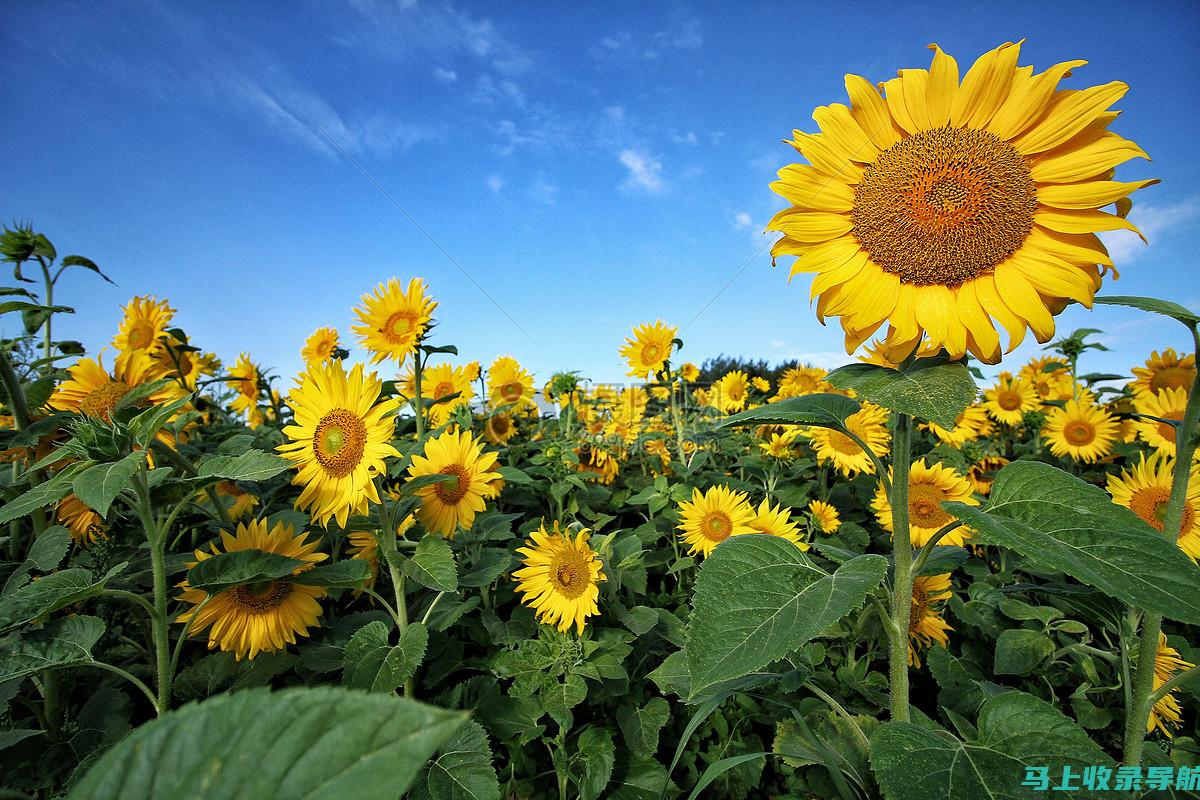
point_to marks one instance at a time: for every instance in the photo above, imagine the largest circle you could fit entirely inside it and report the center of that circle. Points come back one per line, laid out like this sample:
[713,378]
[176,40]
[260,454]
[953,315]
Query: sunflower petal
[1068,113]
[943,83]
[985,87]
[1089,194]
[870,112]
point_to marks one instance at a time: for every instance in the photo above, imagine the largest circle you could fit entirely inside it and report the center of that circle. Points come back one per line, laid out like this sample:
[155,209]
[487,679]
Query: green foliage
[930,388]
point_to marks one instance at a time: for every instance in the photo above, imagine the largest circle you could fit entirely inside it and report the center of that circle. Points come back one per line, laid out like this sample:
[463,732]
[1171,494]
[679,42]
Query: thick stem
[160,623]
[47,340]
[675,416]
[418,403]
[903,579]
[1138,712]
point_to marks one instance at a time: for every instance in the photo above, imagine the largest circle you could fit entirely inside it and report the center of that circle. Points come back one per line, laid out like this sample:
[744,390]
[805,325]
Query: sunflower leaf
[1154,306]
[432,565]
[822,410]
[373,664]
[758,598]
[50,593]
[1071,526]
[66,642]
[317,743]
[42,495]
[252,465]
[349,573]
[932,388]
[597,754]
[226,570]
[99,485]
[462,769]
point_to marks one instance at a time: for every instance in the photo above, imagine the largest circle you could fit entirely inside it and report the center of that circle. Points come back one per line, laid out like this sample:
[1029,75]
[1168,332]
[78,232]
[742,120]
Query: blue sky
[589,166]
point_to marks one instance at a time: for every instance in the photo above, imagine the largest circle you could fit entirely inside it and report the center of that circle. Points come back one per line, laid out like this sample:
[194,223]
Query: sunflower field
[930,574]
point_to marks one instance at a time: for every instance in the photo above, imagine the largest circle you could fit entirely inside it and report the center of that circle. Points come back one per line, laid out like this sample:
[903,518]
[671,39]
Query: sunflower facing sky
[257,618]
[1167,370]
[92,391]
[945,206]
[391,321]
[1081,431]
[929,485]
[145,322]
[711,517]
[730,392]
[444,387]
[338,440]
[450,504]
[561,577]
[1145,489]
[649,349]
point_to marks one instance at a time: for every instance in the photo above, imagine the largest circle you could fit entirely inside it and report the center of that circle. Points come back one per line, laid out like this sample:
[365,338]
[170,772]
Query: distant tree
[713,368]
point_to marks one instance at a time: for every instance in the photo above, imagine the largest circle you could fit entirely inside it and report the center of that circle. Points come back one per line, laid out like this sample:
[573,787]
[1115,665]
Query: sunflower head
[775,520]
[560,578]
[320,346]
[85,525]
[1166,404]
[598,462]
[711,517]
[730,392]
[1167,713]
[509,384]
[869,424]
[929,485]
[824,516]
[648,351]
[926,627]
[453,502]
[499,428]
[1081,431]
[445,386]
[1167,370]
[143,326]
[392,320]
[1010,399]
[945,207]
[1145,489]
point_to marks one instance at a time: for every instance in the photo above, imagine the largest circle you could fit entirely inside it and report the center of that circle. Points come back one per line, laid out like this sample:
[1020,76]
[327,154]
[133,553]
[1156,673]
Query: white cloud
[544,191]
[445,75]
[1154,221]
[688,138]
[683,33]
[495,183]
[741,221]
[645,172]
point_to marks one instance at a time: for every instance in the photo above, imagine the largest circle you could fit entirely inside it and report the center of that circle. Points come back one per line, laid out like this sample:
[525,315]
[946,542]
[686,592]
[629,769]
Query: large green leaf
[253,465]
[641,726]
[66,642]
[758,598]
[221,572]
[932,388]
[596,754]
[50,593]
[42,495]
[1071,526]
[373,664]
[1153,305]
[146,425]
[822,410]
[1020,651]
[349,573]
[912,762]
[462,769]
[312,743]
[432,565]
[99,485]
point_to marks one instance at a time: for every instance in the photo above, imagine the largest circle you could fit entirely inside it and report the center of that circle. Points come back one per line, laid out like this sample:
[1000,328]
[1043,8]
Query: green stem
[903,580]
[418,404]
[132,679]
[433,605]
[47,339]
[927,548]
[675,416]
[863,742]
[16,397]
[1138,712]
[137,599]
[160,623]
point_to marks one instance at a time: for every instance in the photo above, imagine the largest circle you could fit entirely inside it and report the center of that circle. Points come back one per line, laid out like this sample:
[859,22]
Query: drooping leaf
[1071,526]
[1154,306]
[432,564]
[373,664]
[253,465]
[932,388]
[758,598]
[99,485]
[50,593]
[42,495]
[66,642]
[822,410]
[312,743]
[224,571]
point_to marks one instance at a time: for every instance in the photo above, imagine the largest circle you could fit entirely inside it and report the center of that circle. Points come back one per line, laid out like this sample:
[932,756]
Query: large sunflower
[1081,431]
[449,504]
[929,485]
[393,320]
[263,617]
[1145,489]
[926,626]
[560,578]
[143,326]
[338,440]
[1010,399]
[510,384]
[320,346]
[775,520]
[1166,404]
[712,517]
[869,424]
[92,391]
[649,349]
[1166,371]
[1167,714]
[948,207]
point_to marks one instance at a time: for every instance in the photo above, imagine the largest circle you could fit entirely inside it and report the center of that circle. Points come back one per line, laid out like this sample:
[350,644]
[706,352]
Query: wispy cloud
[495,183]
[682,33]
[645,172]
[1157,222]
[741,221]
[544,191]
[444,75]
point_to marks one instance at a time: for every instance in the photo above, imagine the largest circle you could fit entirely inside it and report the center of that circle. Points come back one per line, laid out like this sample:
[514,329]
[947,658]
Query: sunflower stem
[160,622]
[1138,712]
[902,581]
[47,338]
[418,403]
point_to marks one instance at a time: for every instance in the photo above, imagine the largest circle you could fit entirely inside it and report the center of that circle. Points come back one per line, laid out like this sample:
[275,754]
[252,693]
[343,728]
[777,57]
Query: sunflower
[509,384]
[243,379]
[560,578]
[85,525]
[444,388]
[947,207]
[869,424]
[877,353]
[261,617]
[689,372]
[143,327]
[929,485]
[1010,399]
[449,504]
[1167,714]
[926,627]
[394,320]
[243,502]
[983,472]
[499,428]
[364,546]
[970,425]
[598,461]
[712,517]
[320,346]
[801,380]
[648,351]
[91,391]
[1145,489]
[777,521]
[824,516]
[1080,430]
[1166,371]
[338,440]
[1166,404]
[728,394]
[761,384]
[1050,377]
[780,445]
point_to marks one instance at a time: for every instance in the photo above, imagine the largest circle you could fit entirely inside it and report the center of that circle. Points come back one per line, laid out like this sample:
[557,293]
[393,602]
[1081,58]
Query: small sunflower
[499,428]
[689,372]
[729,393]
[1166,404]
[648,351]
[243,502]
[510,384]
[780,445]
[800,381]
[1145,489]
[338,440]
[983,472]
[320,346]
[450,504]
[1050,378]
[950,209]
[712,517]
[926,626]
[1081,431]
[1010,399]
[85,525]
[91,391]
[257,618]
[392,320]
[761,384]
[145,323]
[970,425]
[824,516]
[1167,714]
[929,485]
[243,379]
[1166,371]
[834,447]
[560,578]
[777,521]
[598,461]
[444,387]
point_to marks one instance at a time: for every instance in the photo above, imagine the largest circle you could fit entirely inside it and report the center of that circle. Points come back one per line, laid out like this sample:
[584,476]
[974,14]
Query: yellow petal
[935,307]
[897,102]
[837,276]
[914,83]
[817,149]
[904,315]
[870,112]
[874,293]
[1080,249]
[1052,276]
[844,133]
[995,307]
[1072,162]
[1023,299]
[1028,99]
[985,87]
[978,324]
[827,255]
[1081,221]
[807,187]
[943,83]
[1088,194]
[1068,113]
